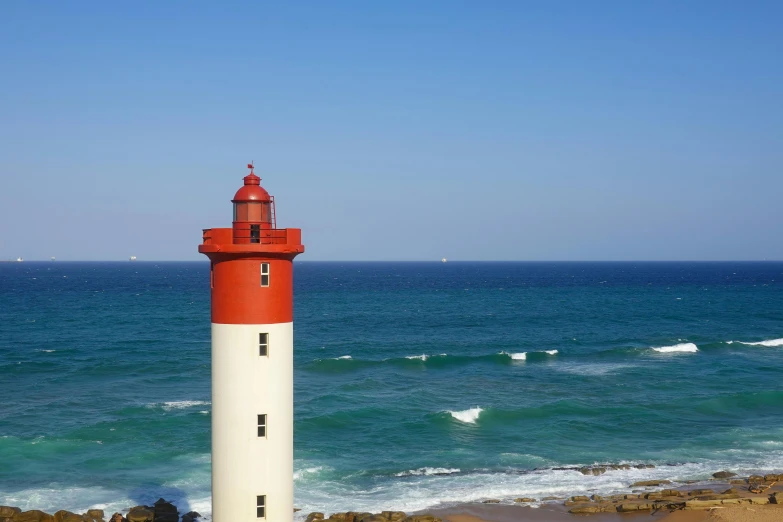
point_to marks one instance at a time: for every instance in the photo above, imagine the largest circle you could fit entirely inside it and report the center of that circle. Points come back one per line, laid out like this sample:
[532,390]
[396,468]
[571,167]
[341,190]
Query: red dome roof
[252,191]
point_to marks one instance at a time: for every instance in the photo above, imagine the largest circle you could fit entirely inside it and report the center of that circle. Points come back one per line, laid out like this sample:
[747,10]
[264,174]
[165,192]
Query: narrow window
[262,425]
[264,274]
[255,233]
[261,506]
[263,344]
[212,274]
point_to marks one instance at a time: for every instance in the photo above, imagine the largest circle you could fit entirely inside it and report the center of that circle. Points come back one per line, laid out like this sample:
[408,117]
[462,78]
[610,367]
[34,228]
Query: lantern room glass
[253,211]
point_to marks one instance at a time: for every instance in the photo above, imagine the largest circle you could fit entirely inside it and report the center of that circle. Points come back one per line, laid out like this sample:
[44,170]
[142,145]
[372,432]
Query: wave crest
[469,416]
[769,343]
[427,472]
[682,347]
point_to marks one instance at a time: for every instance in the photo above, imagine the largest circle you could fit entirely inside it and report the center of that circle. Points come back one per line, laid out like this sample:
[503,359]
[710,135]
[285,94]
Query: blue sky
[565,130]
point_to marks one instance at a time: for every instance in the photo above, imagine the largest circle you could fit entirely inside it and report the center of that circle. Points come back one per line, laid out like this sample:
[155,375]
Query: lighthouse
[251,280]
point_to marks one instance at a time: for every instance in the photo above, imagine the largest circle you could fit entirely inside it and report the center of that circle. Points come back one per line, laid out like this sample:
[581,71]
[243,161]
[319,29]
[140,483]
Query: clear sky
[551,130]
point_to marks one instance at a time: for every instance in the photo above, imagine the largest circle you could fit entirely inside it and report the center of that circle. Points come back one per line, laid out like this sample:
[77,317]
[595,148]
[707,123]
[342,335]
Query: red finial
[250,166]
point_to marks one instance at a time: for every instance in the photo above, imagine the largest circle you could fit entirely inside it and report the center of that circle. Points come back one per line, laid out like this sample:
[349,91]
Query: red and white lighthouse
[251,276]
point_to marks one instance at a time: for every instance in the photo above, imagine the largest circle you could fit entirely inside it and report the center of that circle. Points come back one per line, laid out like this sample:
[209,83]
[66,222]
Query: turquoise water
[417,384]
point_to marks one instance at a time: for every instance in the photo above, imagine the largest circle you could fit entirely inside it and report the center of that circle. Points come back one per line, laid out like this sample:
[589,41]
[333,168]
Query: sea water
[416,384]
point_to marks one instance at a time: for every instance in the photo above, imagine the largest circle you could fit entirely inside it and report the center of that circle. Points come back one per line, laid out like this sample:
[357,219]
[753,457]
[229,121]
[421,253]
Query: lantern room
[254,211]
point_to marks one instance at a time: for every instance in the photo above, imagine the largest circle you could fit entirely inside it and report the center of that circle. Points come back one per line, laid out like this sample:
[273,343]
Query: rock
[730,491]
[165,511]
[140,514]
[491,501]
[337,516]
[724,474]
[8,511]
[698,492]
[599,471]
[761,500]
[717,497]
[585,471]
[116,517]
[315,515]
[645,483]
[629,507]
[596,498]
[394,516]
[33,515]
[356,516]
[191,516]
[630,497]
[771,478]
[585,510]
[524,499]
[755,478]
[548,499]
[579,498]
[671,493]
[775,498]
[67,516]
[655,495]
[422,518]
[374,518]
[702,504]
[738,481]
[95,514]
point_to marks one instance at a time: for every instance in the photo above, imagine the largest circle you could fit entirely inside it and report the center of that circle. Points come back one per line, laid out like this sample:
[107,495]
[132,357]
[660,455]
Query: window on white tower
[261,506]
[264,274]
[262,425]
[263,344]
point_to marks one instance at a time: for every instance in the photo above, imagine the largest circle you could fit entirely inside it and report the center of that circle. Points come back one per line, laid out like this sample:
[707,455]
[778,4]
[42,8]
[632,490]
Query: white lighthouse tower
[251,277]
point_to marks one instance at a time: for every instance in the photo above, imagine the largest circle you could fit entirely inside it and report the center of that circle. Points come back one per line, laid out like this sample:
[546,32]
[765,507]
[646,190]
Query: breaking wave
[469,416]
[682,347]
[770,343]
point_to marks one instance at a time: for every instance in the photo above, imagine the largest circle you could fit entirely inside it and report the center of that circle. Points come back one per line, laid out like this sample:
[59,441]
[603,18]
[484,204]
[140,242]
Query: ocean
[416,384]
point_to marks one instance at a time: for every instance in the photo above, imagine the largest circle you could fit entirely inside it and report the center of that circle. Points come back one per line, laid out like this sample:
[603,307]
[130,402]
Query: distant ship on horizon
[444,260]
[132,258]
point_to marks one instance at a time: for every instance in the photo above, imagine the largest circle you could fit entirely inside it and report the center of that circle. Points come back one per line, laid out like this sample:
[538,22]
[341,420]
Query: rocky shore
[725,489]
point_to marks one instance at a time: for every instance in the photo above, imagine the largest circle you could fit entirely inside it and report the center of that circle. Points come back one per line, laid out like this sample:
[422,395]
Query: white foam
[592,369]
[468,416]
[771,342]
[551,352]
[427,471]
[682,347]
[301,473]
[520,356]
[343,357]
[179,405]
[421,357]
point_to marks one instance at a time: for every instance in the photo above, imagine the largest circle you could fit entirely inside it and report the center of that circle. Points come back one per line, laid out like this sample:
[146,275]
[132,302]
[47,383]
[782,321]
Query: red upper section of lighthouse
[251,271]
[252,190]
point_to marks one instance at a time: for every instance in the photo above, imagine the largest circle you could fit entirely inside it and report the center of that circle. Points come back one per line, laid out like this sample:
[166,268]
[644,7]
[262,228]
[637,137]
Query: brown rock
[67,516]
[191,516]
[8,511]
[337,516]
[596,498]
[33,515]
[524,499]
[738,481]
[730,491]
[374,518]
[583,510]
[491,501]
[698,492]
[771,478]
[140,514]
[655,495]
[422,518]
[95,514]
[633,506]
[547,499]
[702,504]
[761,500]
[671,493]
[775,498]
[755,478]
[724,474]
[645,483]
[394,516]
[315,515]
[579,498]
[116,517]
[356,516]
[165,511]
